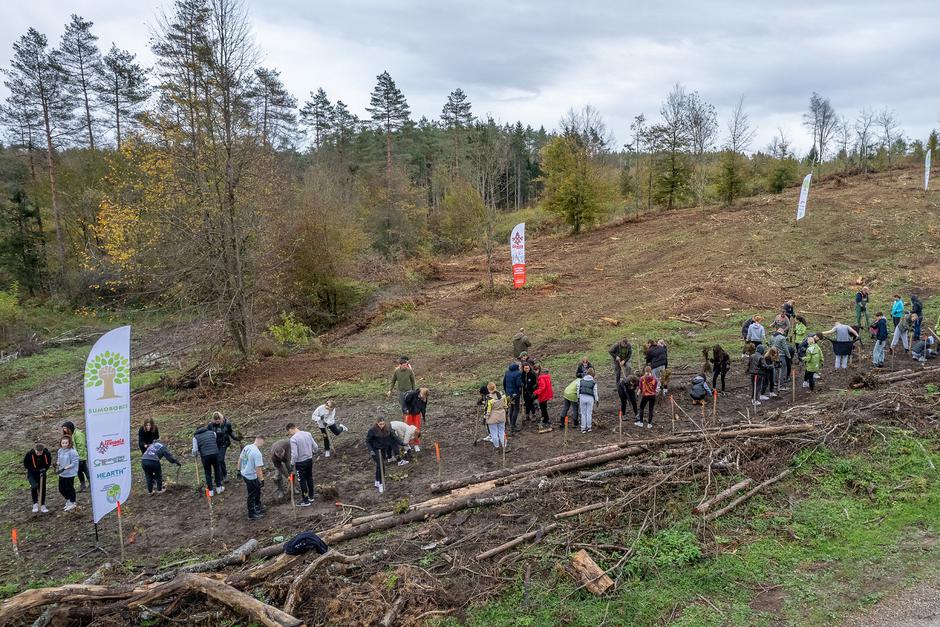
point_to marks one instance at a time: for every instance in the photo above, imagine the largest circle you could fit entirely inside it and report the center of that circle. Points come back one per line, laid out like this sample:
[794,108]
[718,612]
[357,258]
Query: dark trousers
[529,403]
[647,401]
[386,455]
[153,472]
[626,395]
[82,471]
[513,410]
[37,484]
[896,320]
[570,409]
[808,376]
[253,500]
[223,470]
[543,408]
[789,367]
[210,464]
[305,478]
[718,372]
[67,488]
[326,440]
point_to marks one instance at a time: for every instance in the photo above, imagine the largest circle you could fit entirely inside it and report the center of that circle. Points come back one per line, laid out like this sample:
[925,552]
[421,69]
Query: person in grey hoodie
[756,332]
[67,469]
[587,398]
[206,445]
[153,471]
[779,341]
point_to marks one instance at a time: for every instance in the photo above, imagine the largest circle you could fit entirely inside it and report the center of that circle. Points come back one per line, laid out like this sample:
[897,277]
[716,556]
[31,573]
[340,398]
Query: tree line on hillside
[203,184]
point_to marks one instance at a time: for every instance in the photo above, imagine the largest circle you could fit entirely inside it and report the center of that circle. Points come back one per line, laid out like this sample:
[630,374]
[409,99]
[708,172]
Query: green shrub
[291,332]
[10,314]
[666,549]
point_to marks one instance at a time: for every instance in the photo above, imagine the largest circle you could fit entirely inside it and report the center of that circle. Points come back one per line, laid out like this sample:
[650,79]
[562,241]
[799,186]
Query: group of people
[71,462]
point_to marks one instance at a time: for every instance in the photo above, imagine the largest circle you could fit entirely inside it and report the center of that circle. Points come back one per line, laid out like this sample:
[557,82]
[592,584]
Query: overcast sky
[531,61]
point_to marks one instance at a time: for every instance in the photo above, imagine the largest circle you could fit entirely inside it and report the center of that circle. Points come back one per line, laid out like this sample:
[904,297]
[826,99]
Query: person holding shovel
[302,449]
[251,467]
[153,471]
[225,434]
[325,417]
[861,308]
[881,339]
[383,446]
[37,461]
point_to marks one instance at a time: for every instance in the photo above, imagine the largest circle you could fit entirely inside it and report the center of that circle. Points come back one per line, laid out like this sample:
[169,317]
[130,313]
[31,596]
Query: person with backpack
[416,404]
[901,330]
[403,381]
[881,339]
[206,446]
[530,381]
[494,415]
[251,467]
[302,449]
[699,390]
[843,344]
[756,332]
[512,387]
[147,434]
[720,363]
[626,390]
[587,398]
[543,393]
[621,353]
[38,461]
[583,366]
[153,470]
[897,310]
[224,434]
[861,307]
[649,387]
[66,466]
[569,406]
[81,447]
[813,362]
[383,446]
[325,418]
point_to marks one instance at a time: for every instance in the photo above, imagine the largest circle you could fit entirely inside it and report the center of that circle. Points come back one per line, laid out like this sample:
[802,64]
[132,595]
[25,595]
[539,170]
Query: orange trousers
[414,420]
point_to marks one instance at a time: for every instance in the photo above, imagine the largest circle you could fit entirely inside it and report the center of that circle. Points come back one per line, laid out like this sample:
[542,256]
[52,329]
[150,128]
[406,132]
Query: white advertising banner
[804,195]
[108,420]
[927,170]
[517,251]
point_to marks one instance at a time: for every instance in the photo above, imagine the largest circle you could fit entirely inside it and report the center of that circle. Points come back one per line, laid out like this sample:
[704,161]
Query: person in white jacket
[325,418]
[405,433]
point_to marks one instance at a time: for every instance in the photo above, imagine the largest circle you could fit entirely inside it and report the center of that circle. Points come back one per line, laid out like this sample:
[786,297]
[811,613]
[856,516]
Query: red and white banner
[517,251]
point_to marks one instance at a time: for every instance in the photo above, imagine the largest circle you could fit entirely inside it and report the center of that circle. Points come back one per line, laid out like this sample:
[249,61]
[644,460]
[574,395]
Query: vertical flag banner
[927,170]
[517,250]
[804,195]
[108,420]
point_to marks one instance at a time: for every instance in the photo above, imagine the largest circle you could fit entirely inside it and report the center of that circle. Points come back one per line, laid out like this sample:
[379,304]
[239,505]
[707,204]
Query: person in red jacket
[543,392]
[648,386]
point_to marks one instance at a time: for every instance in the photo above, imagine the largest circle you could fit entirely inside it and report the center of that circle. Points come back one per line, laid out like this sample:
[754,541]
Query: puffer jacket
[543,390]
[657,357]
[205,442]
[512,380]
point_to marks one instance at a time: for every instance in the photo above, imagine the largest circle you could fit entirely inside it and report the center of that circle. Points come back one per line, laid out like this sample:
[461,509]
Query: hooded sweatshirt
[67,460]
[34,463]
[403,431]
[512,380]
[157,450]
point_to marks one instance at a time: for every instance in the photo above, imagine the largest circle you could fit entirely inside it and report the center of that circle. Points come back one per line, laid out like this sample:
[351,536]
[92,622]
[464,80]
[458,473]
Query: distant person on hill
[530,382]
[153,470]
[67,468]
[251,468]
[583,366]
[37,461]
[861,307]
[901,330]
[648,386]
[403,381]
[206,446]
[225,435]
[626,390]
[843,343]
[325,418]
[512,387]
[494,415]
[416,404]
[81,447]
[520,343]
[917,307]
[147,434]
[587,398]
[897,310]
[621,353]
[720,363]
[543,393]
[881,339]
[813,362]
[788,309]
[756,332]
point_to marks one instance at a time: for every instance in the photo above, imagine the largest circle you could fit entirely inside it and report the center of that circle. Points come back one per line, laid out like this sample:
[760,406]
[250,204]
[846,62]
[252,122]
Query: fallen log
[293,595]
[730,506]
[590,574]
[540,532]
[93,579]
[629,469]
[238,556]
[75,592]
[392,614]
[704,506]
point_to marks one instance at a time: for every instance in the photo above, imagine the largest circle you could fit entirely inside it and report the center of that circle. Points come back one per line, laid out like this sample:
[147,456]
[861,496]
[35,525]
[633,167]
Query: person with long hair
[720,364]
[67,469]
[544,393]
[416,404]
[648,386]
[147,434]
[383,446]
[530,381]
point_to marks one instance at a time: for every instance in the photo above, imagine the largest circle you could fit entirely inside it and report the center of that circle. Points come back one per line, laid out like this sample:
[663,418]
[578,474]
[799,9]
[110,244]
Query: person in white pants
[587,397]
[901,330]
[843,343]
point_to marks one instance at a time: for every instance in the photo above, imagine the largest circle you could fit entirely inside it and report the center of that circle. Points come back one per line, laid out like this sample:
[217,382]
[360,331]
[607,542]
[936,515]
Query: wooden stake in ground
[211,515]
[675,414]
[120,529]
[620,425]
[290,486]
[793,383]
[437,453]
[566,431]
[14,535]
[196,468]
[505,441]
[714,404]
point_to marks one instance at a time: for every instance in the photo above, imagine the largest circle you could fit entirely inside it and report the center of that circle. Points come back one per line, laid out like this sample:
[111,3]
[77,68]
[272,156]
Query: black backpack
[747,324]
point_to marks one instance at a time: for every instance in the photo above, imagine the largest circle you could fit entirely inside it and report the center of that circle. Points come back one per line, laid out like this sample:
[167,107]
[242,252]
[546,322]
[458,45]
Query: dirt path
[918,606]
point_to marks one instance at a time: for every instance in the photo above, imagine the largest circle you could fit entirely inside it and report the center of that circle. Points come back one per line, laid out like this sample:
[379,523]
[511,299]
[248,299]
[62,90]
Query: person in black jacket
[37,461]
[206,445]
[416,404]
[383,447]
[224,433]
[153,471]
[720,364]
[147,434]
[530,381]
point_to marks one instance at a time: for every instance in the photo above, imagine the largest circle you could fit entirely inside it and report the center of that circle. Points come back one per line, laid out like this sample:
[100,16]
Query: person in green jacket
[81,446]
[569,405]
[813,360]
[403,380]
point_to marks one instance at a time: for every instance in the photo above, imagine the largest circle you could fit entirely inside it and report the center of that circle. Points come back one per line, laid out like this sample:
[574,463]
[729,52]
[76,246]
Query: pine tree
[456,112]
[37,84]
[317,115]
[389,111]
[273,106]
[932,144]
[80,57]
[122,88]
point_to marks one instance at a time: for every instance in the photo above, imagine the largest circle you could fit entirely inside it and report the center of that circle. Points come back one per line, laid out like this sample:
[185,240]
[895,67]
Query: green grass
[13,482]
[27,373]
[838,535]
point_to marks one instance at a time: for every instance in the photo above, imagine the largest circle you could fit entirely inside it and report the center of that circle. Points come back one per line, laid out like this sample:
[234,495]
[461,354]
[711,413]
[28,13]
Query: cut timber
[629,469]
[594,579]
[611,321]
[94,579]
[391,616]
[730,506]
[540,532]
[238,556]
[293,595]
[703,507]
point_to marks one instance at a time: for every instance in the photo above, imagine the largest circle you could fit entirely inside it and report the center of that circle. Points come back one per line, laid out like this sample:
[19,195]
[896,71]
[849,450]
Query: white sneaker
[417,448]
[806,384]
[817,376]
[381,488]
[343,427]
[583,430]
[773,395]
[755,403]
[44,509]
[763,398]
[211,492]
[637,423]
[326,454]
[220,489]
[35,508]
[488,438]
[649,425]
[402,462]
[69,506]
[377,482]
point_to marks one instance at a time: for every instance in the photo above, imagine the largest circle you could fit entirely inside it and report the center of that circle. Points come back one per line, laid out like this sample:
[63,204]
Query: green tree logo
[107,369]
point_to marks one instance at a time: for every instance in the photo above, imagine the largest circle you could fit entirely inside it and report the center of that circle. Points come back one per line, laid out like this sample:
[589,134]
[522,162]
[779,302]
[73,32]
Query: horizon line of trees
[183,185]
